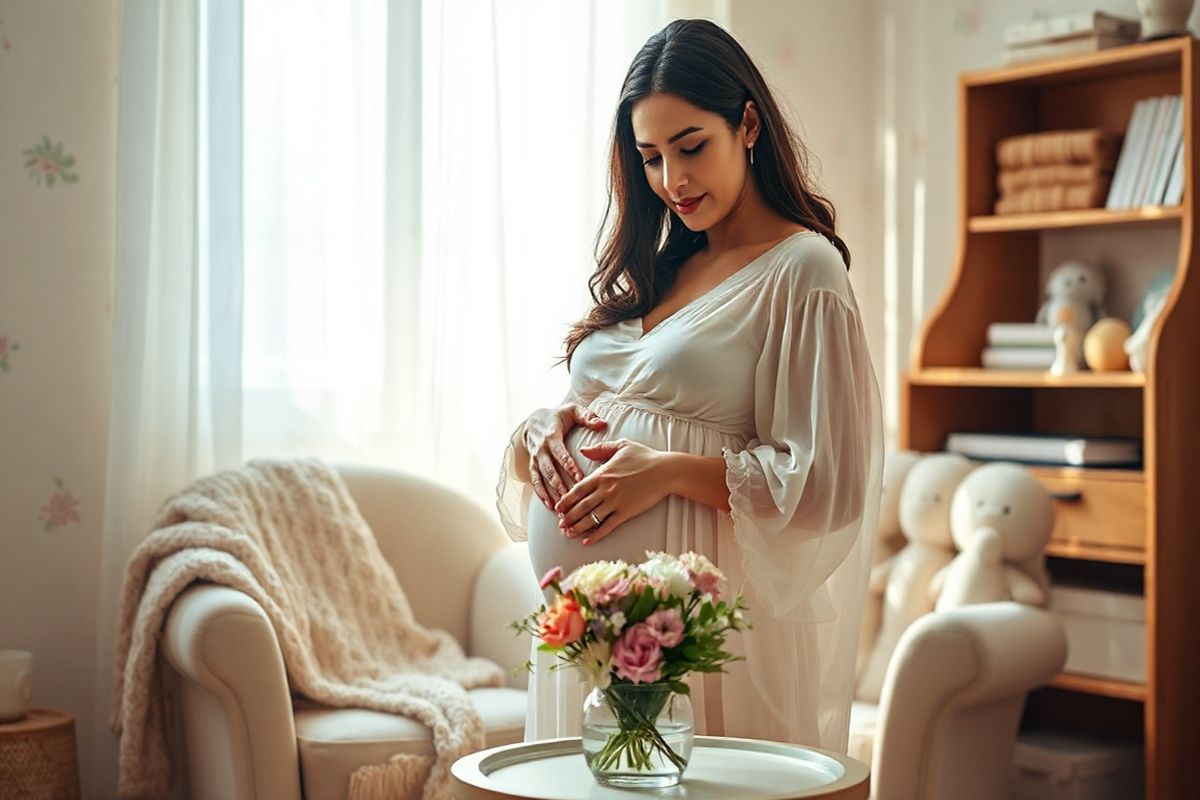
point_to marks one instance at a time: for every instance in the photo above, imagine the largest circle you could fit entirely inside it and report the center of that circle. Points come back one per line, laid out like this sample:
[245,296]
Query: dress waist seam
[634,401]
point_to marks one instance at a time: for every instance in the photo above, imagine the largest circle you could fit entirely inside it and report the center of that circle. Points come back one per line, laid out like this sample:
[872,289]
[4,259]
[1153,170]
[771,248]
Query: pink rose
[613,590]
[666,626]
[552,574]
[637,655]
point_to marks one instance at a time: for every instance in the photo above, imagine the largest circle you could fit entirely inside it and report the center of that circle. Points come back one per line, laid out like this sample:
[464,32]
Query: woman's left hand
[631,480]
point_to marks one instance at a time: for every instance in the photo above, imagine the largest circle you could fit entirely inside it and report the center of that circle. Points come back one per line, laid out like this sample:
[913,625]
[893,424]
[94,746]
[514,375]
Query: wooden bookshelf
[1145,521]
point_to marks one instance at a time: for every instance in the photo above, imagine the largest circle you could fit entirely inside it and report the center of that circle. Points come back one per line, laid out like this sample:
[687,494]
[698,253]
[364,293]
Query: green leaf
[69,161]
[680,687]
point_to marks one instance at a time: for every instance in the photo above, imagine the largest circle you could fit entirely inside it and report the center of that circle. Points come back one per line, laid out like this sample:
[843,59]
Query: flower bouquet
[634,632]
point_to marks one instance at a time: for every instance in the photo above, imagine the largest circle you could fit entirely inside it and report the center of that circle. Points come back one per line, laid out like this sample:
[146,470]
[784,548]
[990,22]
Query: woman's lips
[690,206]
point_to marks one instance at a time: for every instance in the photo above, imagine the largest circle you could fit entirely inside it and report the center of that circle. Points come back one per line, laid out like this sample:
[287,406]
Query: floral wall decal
[5,44]
[6,347]
[968,18]
[62,508]
[47,162]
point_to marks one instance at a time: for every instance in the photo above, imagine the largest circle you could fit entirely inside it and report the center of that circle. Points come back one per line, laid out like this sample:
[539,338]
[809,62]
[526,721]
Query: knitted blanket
[288,534]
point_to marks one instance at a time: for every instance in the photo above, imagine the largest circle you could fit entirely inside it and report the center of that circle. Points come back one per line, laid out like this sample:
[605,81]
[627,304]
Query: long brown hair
[698,61]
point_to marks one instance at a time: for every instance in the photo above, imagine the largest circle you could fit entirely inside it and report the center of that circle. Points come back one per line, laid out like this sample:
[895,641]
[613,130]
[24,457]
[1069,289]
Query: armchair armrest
[237,709]
[505,589]
[953,696]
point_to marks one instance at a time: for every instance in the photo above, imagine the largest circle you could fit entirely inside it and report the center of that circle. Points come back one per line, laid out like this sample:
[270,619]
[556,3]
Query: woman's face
[690,154]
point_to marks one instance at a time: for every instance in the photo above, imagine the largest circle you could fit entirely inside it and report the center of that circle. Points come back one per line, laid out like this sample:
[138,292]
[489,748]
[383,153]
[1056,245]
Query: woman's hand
[552,471]
[632,479]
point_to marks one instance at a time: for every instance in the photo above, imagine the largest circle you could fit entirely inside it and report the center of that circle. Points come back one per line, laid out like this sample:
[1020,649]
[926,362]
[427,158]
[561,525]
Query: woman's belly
[549,548]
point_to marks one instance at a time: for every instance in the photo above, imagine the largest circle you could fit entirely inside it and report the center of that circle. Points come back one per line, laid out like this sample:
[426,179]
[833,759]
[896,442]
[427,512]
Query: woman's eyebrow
[680,135]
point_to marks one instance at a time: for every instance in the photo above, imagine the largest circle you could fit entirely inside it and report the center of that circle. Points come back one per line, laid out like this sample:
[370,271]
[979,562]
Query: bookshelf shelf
[1106,687]
[1089,218]
[975,376]
[1140,522]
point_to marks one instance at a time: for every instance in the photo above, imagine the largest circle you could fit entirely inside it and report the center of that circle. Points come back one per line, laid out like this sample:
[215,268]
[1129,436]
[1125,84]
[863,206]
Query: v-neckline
[639,322]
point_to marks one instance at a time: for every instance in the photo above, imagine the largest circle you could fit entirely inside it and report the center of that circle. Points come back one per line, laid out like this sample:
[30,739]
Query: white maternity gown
[769,370]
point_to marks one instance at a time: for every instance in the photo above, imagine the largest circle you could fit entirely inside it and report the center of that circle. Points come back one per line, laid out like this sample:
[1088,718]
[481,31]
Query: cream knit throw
[288,534]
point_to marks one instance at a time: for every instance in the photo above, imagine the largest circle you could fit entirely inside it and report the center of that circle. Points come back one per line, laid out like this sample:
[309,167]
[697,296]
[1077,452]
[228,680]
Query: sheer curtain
[423,188]
[176,387]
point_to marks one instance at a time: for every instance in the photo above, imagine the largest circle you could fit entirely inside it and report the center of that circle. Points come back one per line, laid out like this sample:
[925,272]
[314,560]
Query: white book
[1138,152]
[1128,156]
[1153,143]
[1173,196]
[1064,25]
[1167,155]
[1041,449]
[1017,357]
[1020,334]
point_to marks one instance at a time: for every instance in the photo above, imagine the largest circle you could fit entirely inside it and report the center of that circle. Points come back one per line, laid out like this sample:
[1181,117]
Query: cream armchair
[247,737]
[947,720]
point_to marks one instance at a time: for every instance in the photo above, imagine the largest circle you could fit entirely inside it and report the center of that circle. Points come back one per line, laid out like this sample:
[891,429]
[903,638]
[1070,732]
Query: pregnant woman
[722,398]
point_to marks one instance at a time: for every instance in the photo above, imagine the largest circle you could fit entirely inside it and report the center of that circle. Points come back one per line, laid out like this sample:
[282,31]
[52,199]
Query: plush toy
[1137,346]
[1001,519]
[903,580]
[1074,296]
[888,541]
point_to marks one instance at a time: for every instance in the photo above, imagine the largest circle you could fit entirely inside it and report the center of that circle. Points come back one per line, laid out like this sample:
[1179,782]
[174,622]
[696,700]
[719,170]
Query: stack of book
[1054,170]
[1150,169]
[1018,345]
[1067,34]
[1059,451]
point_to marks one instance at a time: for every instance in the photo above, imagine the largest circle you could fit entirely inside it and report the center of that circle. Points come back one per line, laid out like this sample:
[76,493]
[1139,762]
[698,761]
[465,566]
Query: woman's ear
[750,122]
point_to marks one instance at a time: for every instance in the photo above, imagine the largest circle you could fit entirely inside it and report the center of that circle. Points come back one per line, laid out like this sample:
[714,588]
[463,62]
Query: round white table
[720,768]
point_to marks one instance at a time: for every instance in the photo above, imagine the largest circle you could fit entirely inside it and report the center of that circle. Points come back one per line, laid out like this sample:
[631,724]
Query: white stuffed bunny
[1074,296]
[1001,519]
[888,541]
[903,580]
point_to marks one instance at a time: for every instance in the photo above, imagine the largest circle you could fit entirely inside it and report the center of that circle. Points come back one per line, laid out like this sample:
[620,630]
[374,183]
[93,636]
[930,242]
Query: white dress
[769,370]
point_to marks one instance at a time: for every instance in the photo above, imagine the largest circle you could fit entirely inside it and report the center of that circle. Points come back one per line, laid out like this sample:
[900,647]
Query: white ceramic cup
[16,683]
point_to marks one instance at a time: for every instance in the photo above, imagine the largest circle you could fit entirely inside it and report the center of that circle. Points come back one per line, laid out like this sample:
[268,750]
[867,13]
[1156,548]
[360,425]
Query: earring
[752,155]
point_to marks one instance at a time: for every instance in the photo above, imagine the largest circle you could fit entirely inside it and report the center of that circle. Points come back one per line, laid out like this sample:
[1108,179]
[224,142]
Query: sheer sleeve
[512,492]
[804,488]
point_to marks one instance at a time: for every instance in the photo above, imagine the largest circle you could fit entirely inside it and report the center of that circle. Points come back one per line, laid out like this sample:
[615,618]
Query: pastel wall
[58,106]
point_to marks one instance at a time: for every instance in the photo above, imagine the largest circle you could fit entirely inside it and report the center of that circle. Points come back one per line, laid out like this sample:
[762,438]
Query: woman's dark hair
[698,61]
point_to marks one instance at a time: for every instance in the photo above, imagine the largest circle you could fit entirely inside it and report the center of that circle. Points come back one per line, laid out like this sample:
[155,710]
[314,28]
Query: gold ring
[595,519]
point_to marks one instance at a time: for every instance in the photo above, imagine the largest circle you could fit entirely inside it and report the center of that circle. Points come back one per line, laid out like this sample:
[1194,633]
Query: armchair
[952,700]
[247,737]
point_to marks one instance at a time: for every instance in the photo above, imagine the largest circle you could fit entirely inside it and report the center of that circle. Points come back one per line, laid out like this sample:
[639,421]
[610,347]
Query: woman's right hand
[552,471]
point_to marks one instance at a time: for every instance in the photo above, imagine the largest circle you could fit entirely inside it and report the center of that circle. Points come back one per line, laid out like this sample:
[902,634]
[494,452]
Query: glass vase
[637,735]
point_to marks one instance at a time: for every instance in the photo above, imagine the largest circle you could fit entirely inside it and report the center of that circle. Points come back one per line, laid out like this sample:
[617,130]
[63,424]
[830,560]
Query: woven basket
[37,757]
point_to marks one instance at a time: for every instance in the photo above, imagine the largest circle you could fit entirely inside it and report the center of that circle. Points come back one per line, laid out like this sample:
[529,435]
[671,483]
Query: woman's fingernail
[587,541]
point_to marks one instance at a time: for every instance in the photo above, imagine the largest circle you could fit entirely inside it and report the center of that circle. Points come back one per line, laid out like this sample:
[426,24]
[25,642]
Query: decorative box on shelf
[1106,631]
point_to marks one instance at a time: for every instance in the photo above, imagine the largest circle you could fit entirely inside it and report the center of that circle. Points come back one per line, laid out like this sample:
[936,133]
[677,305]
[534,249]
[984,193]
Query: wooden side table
[38,760]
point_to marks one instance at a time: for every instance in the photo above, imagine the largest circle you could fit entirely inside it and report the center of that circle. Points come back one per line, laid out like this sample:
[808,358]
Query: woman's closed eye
[650,161]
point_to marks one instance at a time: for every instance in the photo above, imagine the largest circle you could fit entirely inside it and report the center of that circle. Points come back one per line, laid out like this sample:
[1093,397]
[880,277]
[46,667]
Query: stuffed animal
[903,580]
[1074,296]
[1001,519]
[888,541]
[1137,346]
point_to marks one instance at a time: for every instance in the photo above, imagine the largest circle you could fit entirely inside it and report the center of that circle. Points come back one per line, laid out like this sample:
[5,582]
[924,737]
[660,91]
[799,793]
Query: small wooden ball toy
[1104,345]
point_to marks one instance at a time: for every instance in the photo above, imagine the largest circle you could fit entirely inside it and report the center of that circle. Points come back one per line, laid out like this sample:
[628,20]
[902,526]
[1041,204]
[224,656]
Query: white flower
[617,621]
[666,573]
[595,663]
[590,577]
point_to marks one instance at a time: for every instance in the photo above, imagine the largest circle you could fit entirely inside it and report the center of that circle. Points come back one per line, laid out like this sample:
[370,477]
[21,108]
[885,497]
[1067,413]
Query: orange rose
[562,623]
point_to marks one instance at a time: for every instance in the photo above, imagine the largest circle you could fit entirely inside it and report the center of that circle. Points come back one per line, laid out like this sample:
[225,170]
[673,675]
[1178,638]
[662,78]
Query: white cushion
[334,742]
